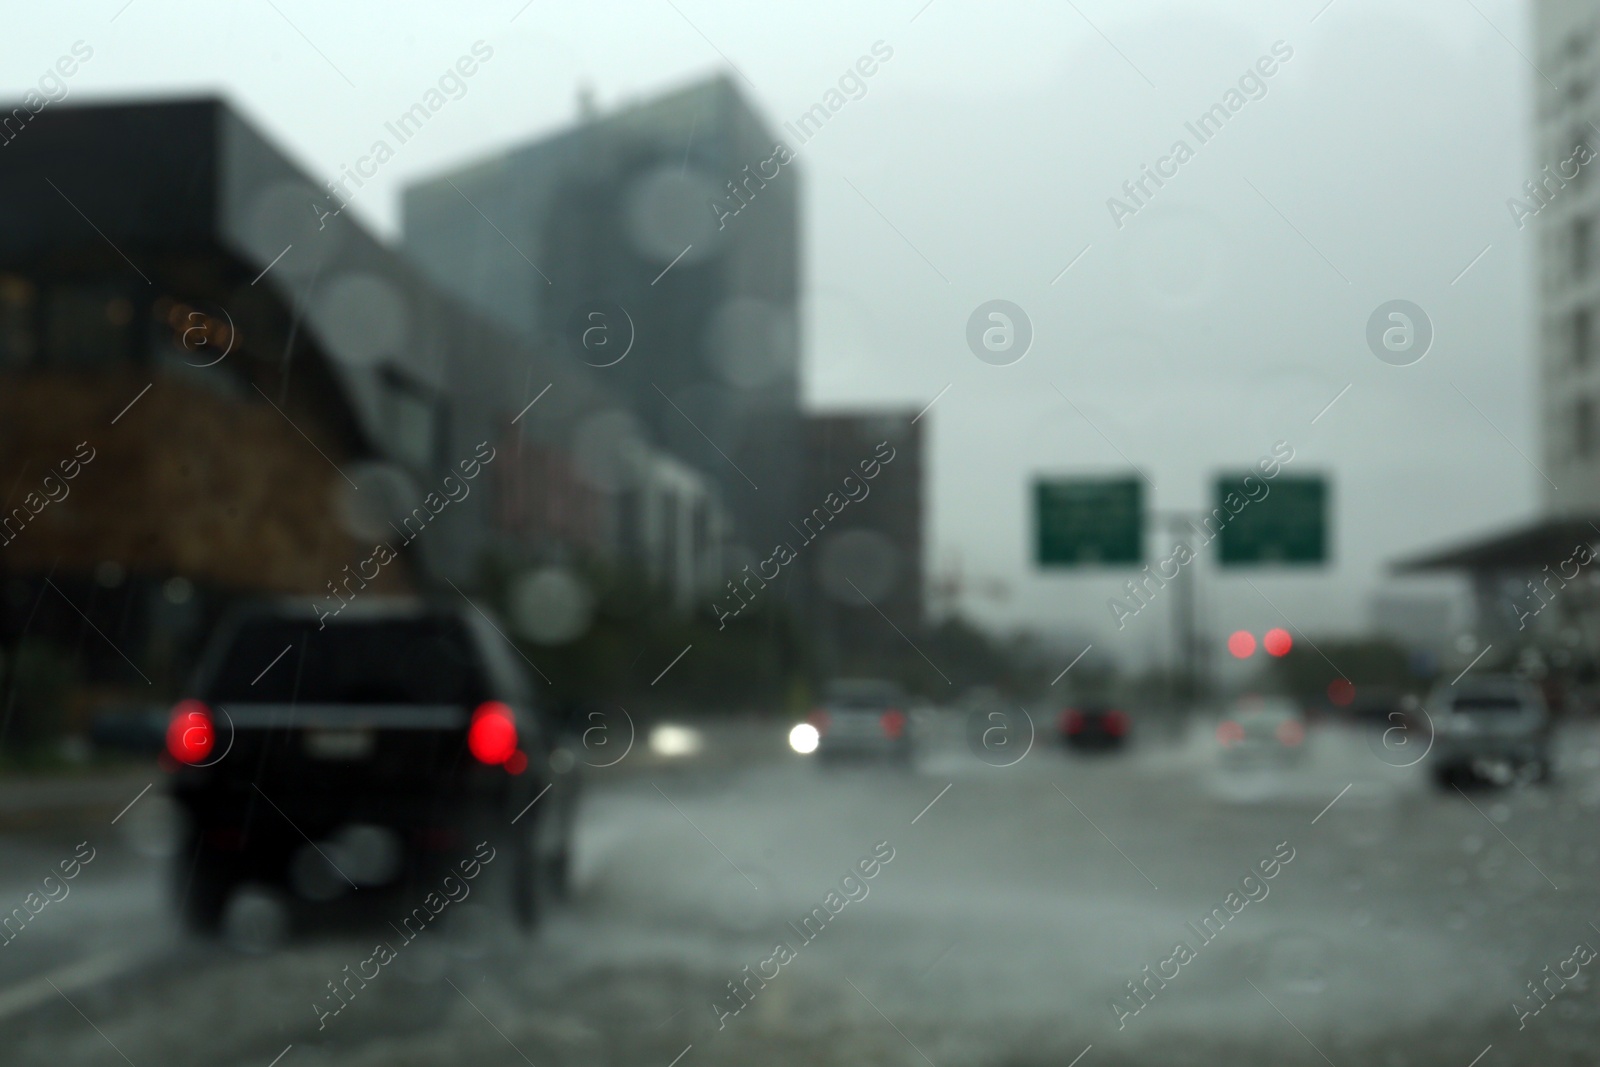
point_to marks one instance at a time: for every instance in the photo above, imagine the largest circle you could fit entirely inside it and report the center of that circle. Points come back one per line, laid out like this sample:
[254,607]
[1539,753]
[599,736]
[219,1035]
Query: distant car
[373,749]
[1489,727]
[1093,727]
[863,717]
[1262,731]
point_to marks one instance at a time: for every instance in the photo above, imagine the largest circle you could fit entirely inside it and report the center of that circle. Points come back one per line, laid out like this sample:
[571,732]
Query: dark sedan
[1094,727]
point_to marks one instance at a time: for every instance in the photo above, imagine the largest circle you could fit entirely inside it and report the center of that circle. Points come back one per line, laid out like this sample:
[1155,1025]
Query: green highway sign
[1087,522]
[1289,524]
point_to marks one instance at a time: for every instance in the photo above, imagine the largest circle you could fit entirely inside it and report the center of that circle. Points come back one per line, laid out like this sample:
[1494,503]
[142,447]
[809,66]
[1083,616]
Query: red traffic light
[1242,644]
[1277,642]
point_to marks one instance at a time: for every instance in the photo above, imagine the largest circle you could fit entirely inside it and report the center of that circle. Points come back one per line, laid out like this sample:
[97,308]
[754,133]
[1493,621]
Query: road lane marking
[281,1055]
[931,803]
[1331,803]
[1085,1052]
[679,1056]
[1479,1056]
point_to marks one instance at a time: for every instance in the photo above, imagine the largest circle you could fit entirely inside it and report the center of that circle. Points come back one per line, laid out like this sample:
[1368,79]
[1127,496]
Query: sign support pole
[1188,680]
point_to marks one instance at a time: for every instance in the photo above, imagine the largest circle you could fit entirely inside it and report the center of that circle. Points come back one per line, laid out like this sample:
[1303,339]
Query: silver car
[1262,731]
[863,717]
[1490,727]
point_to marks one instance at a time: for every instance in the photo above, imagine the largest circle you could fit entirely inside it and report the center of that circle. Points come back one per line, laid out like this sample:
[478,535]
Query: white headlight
[803,738]
[669,740]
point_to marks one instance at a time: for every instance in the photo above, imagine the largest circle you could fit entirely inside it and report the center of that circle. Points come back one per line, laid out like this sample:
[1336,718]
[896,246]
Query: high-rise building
[1561,204]
[862,513]
[1516,573]
[658,243]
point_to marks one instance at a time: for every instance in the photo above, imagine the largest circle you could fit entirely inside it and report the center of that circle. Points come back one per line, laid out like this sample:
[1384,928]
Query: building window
[16,322]
[1582,331]
[1583,429]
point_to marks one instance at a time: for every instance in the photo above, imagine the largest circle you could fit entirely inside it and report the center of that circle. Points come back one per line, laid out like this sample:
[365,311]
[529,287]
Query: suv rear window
[864,694]
[393,661]
[1503,704]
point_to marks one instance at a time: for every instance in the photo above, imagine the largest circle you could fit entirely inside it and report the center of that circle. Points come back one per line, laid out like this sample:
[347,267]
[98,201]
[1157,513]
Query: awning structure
[1531,545]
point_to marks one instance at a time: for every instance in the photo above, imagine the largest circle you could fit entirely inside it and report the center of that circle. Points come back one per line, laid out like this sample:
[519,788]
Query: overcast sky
[1221,318]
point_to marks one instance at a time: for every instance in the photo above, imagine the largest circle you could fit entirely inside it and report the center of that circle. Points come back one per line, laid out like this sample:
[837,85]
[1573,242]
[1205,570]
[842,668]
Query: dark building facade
[250,393]
[866,471]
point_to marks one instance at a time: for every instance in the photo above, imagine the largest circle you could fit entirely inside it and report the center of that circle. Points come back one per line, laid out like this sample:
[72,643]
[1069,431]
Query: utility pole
[1188,673]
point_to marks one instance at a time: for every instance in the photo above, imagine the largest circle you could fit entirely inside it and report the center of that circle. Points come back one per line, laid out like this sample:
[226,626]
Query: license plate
[339,744]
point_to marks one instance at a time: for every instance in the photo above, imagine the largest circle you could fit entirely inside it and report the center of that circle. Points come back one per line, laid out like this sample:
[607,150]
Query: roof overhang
[1530,545]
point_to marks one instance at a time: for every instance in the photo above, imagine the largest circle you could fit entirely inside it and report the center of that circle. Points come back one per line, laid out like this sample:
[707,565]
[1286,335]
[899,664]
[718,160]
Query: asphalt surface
[1018,904]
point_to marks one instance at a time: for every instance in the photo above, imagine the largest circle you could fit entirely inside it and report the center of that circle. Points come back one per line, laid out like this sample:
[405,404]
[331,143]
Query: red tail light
[1072,721]
[819,719]
[191,732]
[894,723]
[1291,733]
[1229,732]
[1116,723]
[492,737]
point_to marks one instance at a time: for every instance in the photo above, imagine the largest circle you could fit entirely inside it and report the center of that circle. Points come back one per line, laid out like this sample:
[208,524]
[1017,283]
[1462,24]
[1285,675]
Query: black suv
[375,749]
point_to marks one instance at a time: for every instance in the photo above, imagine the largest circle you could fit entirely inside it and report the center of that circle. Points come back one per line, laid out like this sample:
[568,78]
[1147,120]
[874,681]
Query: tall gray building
[1515,572]
[659,244]
[1559,205]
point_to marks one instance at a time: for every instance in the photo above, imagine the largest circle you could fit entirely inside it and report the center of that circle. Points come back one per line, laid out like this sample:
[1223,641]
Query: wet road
[1007,910]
